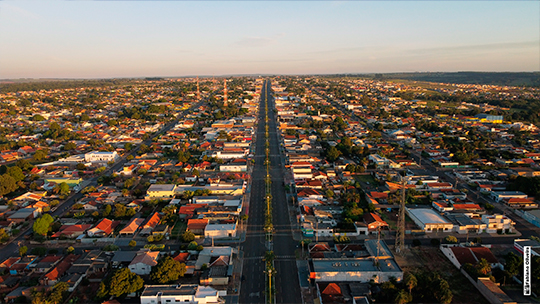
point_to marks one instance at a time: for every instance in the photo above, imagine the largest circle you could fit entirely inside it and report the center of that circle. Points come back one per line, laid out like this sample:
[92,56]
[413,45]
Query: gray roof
[22,213]
[153,290]
[124,256]
[161,187]
[378,249]
[355,265]
[461,219]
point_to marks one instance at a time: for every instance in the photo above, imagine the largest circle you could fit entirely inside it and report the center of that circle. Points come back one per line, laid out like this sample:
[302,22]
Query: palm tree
[403,297]
[411,281]
[483,267]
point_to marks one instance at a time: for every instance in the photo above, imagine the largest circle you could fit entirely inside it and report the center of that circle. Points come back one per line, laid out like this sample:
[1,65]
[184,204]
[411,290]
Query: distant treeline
[61,84]
[530,79]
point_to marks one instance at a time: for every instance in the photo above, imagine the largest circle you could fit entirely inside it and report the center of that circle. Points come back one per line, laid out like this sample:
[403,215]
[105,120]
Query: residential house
[102,229]
[143,262]
[131,227]
[150,224]
[197,226]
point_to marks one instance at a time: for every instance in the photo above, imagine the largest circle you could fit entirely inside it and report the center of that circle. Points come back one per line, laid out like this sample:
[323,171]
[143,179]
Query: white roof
[205,291]
[428,216]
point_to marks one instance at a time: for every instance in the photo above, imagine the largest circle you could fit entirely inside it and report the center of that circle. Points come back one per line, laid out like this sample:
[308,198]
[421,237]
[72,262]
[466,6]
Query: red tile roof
[197,224]
[153,221]
[463,255]
[182,257]
[62,267]
[332,289]
[105,225]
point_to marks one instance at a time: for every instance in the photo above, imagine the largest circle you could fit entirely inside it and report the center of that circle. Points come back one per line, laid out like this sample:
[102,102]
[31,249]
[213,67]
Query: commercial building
[154,294]
[490,118]
[159,191]
[428,220]
[497,222]
[498,196]
[100,157]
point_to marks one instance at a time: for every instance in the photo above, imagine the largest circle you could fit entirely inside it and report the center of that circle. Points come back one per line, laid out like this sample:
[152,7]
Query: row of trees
[422,287]
[123,282]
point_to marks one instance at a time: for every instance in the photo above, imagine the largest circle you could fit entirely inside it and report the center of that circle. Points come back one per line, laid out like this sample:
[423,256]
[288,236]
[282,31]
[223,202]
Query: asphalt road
[254,248]
[287,284]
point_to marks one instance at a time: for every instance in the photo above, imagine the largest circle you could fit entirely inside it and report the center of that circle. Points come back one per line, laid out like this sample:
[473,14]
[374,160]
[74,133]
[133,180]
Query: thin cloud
[17,12]
[255,42]
[259,41]
[478,47]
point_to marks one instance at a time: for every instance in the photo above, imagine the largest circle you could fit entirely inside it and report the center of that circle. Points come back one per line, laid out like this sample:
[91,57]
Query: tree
[332,154]
[70,249]
[16,173]
[167,270]
[119,210]
[192,245]
[107,210]
[443,293]
[403,297]
[70,146]
[81,166]
[188,236]
[38,117]
[122,282]
[58,292]
[7,184]
[4,237]
[64,188]
[513,265]
[41,225]
[450,239]
[169,214]
[132,243]
[410,281]
[483,266]
[329,193]
[23,250]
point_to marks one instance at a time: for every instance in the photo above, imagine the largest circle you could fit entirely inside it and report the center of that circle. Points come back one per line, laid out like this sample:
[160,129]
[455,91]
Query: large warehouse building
[429,220]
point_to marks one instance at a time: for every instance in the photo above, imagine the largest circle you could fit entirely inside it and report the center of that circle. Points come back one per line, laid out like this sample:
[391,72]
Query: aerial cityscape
[269,152]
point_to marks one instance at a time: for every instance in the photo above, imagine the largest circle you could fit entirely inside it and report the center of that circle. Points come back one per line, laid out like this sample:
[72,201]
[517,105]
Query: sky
[107,39]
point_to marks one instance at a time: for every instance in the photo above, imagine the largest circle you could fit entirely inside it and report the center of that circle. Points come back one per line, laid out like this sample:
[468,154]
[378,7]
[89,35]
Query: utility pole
[225,92]
[198,91]
[400,233]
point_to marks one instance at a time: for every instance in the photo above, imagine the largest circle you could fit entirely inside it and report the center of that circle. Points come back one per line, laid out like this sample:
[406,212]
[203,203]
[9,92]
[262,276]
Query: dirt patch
[431,259]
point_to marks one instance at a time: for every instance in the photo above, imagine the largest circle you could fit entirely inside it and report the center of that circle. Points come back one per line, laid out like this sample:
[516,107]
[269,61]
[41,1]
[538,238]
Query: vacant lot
[431,259]
[178,229]
[368,178]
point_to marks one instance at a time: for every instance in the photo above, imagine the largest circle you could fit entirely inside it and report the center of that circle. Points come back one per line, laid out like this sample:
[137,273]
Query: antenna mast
[400,235]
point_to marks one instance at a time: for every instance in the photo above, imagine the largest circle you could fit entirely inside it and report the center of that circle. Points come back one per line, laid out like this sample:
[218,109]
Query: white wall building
[100,157]
[217,231]
[503,195]
[496,222]
[190,294]
[356,270]
[233,167]
[428,220]
[160,191]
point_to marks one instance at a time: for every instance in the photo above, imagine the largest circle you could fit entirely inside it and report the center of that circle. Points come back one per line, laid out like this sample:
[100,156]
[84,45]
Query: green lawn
[366,179]
[392,224]
[178,229]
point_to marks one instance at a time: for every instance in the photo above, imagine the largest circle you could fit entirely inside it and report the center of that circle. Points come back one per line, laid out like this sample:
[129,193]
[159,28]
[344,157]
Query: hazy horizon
[137,39]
